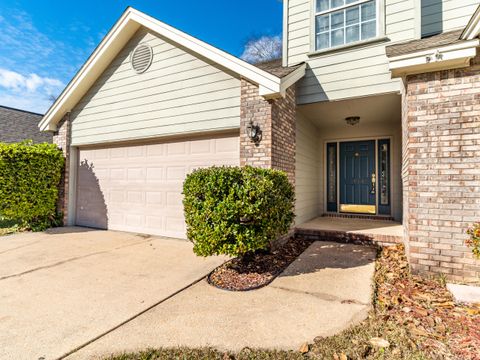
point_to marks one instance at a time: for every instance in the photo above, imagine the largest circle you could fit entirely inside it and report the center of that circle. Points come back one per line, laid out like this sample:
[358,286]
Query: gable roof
[270,85]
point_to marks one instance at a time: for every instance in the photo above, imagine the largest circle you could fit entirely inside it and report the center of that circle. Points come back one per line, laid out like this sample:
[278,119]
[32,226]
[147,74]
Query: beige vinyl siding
[445,15]
[307,172]
[180,93]
[349,72]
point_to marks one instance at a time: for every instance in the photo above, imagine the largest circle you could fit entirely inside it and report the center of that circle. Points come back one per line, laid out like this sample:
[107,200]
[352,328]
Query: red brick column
[441,170]
[276,119]
[62,138]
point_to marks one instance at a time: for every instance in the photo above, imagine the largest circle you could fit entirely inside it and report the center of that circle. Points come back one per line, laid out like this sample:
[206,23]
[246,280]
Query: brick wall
[62,138]
[442,174]
[276,119]
[284,133]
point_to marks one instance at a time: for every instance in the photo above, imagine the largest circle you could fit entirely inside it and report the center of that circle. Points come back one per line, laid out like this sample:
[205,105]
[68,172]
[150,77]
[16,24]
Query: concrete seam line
[70,260]
[130,319]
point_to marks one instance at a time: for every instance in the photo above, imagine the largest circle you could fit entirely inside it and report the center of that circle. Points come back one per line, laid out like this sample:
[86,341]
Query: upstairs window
[340,22]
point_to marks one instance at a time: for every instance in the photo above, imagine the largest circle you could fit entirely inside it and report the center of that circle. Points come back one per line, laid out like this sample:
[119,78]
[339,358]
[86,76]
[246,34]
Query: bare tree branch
[262,48]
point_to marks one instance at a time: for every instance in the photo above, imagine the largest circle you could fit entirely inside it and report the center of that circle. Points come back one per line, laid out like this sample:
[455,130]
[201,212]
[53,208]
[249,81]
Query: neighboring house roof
[20,125]
[444,39]
[269,85]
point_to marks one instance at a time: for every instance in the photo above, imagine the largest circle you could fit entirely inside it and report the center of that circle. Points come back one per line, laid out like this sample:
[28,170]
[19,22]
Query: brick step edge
[348,237]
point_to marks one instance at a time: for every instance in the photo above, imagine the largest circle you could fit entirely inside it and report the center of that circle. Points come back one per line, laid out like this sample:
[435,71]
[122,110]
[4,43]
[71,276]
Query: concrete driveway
[62,289]
[326,290]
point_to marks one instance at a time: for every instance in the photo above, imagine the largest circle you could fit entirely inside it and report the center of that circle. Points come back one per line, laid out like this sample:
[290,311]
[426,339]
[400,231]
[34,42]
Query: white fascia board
[447,57]
[472,30]
[119,35]
[292,78]
[120,32]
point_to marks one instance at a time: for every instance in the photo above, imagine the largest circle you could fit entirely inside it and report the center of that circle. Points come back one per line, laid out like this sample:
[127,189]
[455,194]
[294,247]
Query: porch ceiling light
[352,120]
[253,132]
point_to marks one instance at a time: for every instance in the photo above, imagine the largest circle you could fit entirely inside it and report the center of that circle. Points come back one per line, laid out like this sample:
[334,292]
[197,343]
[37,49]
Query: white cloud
[34,64]
[262,48]
[29,92]
[14,81]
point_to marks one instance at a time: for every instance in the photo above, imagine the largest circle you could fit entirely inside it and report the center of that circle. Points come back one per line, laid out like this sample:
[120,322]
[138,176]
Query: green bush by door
[29,178]
[235,211]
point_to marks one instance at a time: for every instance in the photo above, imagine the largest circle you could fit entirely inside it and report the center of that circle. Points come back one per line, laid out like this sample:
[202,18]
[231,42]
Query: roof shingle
[276,68]
[444,39]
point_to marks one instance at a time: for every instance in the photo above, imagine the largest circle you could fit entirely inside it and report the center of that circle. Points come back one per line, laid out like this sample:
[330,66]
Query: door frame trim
[325,166]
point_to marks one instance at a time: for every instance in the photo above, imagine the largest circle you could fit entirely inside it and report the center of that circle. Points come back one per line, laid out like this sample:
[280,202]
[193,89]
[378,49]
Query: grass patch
[416,319]
[8,227]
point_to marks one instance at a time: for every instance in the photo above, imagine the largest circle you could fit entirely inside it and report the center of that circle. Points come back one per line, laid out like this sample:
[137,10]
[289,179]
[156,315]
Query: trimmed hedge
[235,211]
[29,178]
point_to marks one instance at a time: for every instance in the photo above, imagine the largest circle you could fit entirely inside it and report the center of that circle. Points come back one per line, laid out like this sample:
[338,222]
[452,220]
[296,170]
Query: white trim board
[441,58]
[472,30]
[270,86]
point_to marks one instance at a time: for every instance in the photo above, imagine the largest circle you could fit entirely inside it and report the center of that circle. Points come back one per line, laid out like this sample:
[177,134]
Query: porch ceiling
[372,109]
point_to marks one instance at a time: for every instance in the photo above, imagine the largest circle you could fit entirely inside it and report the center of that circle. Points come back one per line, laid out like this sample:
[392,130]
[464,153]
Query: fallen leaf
[304,348]
[422,312]
[379,342]
[343,356]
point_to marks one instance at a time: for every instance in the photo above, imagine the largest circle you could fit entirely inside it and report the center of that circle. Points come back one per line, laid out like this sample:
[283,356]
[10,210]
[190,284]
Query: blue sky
[43,43]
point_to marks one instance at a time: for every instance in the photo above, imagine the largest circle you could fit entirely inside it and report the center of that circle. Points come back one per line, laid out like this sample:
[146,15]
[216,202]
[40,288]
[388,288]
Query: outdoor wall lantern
[352,120]
[253,132]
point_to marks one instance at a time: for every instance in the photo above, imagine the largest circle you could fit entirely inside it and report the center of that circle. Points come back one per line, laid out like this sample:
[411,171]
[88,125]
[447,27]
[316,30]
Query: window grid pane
[325,5]
[340,27]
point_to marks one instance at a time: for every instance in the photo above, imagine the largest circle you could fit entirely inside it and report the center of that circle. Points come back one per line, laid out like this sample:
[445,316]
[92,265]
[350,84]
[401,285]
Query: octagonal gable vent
[141,58]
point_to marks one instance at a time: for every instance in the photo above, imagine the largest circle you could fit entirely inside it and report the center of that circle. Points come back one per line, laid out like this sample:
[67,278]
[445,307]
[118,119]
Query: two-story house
[373,113]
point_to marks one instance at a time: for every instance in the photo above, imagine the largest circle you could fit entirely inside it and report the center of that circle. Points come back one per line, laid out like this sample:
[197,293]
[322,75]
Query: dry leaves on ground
[426,308]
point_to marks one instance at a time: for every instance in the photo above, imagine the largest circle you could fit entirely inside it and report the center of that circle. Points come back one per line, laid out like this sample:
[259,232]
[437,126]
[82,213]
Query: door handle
[374,181]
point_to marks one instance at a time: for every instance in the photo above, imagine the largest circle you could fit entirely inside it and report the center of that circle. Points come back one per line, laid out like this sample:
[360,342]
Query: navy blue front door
[357,177]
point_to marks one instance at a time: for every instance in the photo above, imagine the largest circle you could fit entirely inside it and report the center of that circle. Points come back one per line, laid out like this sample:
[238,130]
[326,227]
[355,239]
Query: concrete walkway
[61,289]
[323,292]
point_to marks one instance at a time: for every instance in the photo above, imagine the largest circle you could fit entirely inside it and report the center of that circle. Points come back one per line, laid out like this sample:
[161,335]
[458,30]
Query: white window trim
[380,9]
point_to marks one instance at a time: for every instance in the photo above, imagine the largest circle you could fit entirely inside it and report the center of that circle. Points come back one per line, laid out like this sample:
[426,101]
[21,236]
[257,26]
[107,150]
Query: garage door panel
[138,188]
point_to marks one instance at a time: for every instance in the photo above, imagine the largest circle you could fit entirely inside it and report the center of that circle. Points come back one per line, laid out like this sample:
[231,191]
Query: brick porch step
[352,230]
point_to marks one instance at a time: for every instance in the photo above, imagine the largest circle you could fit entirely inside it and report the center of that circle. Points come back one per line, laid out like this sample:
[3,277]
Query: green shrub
[474,240]
[29,178]
[235,211]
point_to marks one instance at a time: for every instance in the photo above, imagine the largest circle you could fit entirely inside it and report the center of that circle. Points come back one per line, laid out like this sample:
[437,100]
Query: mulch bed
[425,307]
[257,270]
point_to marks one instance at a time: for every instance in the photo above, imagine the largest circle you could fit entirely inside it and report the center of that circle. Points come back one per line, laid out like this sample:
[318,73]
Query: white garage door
[138,188]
